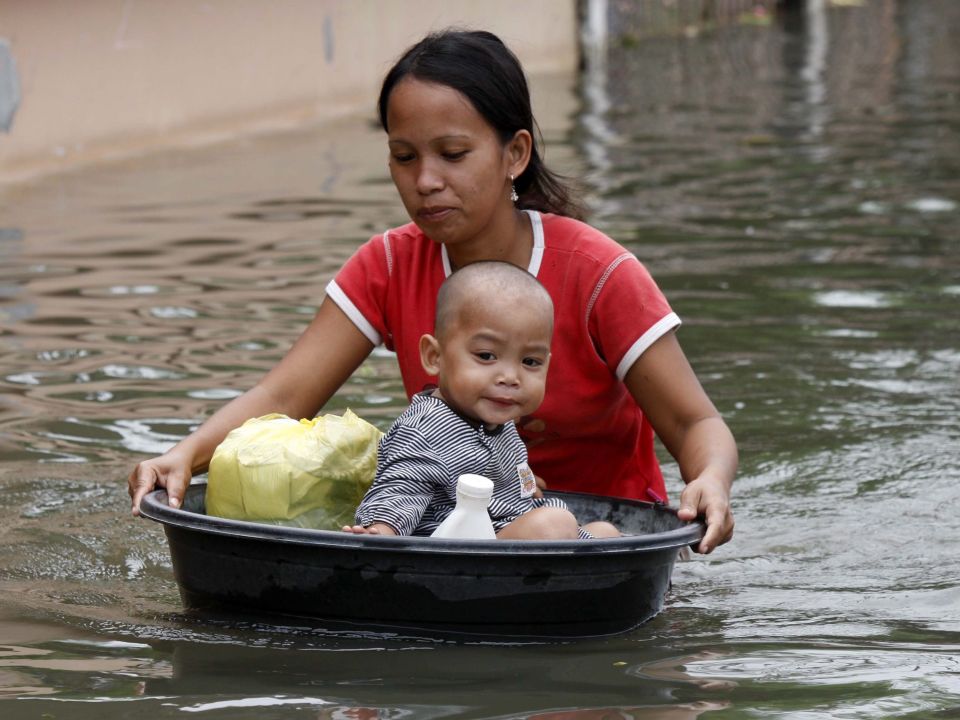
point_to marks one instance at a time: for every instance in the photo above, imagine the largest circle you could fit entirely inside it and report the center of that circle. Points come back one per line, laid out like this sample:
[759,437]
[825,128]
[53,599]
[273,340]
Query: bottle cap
[474,486]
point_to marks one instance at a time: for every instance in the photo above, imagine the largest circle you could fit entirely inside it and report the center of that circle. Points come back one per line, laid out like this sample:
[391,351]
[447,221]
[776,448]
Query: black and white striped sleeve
[410,474]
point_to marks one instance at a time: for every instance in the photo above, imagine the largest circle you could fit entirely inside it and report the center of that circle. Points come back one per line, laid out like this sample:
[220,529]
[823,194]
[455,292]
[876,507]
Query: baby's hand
[541,486]
[360,530]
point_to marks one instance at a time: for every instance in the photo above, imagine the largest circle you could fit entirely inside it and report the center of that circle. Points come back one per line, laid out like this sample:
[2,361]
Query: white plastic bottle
[469,518]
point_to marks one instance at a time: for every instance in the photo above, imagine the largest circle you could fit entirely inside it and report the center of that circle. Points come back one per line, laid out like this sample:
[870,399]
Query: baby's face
[493,360]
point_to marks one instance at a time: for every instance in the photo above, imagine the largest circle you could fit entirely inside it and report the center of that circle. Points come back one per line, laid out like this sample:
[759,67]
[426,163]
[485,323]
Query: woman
[456,110]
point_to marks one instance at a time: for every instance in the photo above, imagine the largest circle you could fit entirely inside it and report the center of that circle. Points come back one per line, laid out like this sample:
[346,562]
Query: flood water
[793,185]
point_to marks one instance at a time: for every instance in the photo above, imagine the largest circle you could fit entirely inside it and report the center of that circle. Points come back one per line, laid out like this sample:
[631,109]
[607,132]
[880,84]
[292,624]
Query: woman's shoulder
[405,233]
[400,237]
[402,252]
[407,239]
[407,247]
[565,234]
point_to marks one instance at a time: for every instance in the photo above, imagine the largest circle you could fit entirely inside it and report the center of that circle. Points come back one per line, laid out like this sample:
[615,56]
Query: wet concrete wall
[102,79]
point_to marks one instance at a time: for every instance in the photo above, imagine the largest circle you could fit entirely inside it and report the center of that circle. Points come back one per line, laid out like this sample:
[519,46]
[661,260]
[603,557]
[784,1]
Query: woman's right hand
[169,471]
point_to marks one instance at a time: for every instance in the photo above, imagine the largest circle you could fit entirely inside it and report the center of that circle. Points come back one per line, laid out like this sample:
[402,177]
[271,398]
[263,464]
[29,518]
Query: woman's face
[447,162]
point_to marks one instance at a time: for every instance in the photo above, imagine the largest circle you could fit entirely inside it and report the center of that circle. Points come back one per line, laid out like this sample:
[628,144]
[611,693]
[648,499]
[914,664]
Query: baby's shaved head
[486,283]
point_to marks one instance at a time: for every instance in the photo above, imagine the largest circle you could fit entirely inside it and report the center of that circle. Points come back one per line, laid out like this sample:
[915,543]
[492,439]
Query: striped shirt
[424,452]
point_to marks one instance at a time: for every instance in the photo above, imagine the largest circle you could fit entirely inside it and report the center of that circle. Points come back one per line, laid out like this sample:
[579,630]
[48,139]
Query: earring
[513,191]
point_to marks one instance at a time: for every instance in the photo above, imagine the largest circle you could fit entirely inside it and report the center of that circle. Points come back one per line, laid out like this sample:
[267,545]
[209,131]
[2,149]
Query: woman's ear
[518,150]
[430,354]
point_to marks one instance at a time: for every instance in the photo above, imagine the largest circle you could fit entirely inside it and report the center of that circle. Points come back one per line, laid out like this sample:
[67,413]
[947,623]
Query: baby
[490,354]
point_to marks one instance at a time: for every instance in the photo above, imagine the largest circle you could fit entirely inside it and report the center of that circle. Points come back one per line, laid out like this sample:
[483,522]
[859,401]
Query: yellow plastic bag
[306,473]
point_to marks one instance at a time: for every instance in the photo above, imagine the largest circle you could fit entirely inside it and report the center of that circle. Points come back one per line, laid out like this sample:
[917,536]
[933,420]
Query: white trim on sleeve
[351,311]
[657,331]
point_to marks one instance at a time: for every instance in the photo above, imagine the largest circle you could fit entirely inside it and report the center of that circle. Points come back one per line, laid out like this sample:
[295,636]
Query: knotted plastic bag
[305,473]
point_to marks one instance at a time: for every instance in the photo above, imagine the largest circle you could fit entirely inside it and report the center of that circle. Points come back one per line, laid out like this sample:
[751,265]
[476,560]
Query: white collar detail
[536,256]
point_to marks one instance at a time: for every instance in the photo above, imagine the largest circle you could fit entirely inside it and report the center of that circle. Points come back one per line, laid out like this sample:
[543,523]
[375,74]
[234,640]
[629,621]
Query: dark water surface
[795,188]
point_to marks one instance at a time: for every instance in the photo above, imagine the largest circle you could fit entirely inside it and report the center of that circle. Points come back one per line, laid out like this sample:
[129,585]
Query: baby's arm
[409,474]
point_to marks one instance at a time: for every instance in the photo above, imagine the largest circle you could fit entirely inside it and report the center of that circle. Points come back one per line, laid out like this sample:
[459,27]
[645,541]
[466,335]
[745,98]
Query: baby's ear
[430,354]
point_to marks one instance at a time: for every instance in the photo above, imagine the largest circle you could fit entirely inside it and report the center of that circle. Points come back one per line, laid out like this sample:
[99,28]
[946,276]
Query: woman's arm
[319,362]
[667,390]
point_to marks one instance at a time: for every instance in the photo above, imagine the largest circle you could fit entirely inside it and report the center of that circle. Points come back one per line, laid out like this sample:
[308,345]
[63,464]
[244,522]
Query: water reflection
[791,182]
[343,676]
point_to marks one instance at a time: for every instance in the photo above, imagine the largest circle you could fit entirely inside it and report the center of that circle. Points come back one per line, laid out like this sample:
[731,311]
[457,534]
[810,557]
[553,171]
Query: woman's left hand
[667,390]
[710,500]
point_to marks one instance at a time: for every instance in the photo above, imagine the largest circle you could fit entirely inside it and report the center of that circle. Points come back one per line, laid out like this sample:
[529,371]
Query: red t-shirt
[589,435]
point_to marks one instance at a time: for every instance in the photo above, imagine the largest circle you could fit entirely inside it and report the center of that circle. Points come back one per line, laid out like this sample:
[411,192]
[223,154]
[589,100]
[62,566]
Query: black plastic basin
[489,587]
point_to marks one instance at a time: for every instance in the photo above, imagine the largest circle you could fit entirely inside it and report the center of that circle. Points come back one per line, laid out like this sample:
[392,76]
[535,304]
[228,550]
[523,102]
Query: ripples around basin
[793,184]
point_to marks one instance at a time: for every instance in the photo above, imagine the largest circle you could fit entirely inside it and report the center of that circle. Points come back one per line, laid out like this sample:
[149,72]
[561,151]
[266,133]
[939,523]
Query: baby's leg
[373,529]
[542,523]
[601,529]
[359,530]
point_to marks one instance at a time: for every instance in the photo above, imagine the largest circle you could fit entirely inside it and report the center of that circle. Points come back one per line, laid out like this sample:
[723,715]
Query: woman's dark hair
[479,66]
